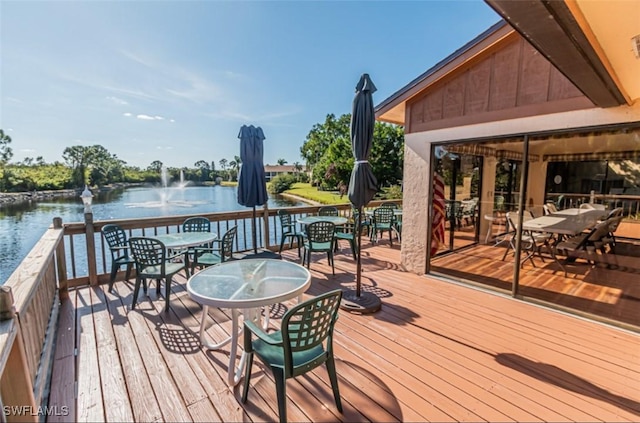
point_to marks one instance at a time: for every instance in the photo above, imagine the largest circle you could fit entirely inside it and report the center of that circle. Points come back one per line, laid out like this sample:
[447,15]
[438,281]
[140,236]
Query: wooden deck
[436,351]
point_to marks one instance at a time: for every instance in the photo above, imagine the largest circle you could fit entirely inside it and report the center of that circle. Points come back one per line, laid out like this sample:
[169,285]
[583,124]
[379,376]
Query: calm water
[22,225]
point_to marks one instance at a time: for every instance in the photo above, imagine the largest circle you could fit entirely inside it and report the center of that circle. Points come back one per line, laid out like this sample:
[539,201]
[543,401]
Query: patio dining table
[336,220]
[568,222]
[181,240]
[244,286]
[565,222]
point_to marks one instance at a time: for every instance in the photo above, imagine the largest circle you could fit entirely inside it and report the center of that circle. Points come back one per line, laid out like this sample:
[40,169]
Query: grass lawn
[312,193]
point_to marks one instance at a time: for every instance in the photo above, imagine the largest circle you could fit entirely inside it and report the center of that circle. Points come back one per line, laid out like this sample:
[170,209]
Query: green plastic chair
[221,251]
[153,262]
[304,342]
[348,232]
[116,238]
[289,231]
[320,238]
[328,211]
[196,224]
[382,221]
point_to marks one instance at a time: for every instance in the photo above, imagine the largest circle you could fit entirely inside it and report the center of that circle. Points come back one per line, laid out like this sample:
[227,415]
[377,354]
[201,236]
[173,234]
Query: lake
[21,226]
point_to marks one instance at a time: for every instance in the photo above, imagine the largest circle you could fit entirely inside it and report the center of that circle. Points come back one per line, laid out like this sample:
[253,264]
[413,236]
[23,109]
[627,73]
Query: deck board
[436,351]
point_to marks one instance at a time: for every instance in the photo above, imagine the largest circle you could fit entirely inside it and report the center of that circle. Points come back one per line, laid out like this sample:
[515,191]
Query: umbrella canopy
[363,184]
[252,184]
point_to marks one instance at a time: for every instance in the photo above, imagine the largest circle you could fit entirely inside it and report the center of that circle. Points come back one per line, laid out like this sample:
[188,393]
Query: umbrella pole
[358,260]
[357,301]
[253,231]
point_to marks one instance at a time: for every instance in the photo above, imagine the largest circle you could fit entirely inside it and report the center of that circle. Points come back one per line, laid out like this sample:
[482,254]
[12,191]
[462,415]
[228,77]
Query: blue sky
[174,80]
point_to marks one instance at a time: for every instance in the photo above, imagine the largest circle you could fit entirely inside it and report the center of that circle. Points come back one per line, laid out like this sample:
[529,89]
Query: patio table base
[367,302]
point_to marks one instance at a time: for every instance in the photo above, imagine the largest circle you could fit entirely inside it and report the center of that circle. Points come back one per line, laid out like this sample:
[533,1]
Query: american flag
[437,230]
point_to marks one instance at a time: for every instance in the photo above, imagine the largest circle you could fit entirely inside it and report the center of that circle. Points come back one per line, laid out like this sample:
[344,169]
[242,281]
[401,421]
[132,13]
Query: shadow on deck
[436,351]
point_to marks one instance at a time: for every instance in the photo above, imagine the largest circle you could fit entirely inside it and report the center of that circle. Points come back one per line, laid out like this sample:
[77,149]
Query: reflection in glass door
[461,174]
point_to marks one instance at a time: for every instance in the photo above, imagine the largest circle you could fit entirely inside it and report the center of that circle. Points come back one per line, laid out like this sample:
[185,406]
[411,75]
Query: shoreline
[16,198]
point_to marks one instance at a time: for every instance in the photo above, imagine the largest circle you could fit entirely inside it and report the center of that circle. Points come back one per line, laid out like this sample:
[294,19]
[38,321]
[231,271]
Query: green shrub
[281,183]
[394,192]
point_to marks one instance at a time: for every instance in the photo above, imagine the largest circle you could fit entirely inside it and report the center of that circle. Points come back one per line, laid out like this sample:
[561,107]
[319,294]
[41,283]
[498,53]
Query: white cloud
[117,100]
[27,150]
[160,147]
[127,114]
[147,117]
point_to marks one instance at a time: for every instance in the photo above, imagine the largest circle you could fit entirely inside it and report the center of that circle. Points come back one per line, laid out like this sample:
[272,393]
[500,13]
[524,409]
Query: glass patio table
[182,240]
[336,220]
[244,286]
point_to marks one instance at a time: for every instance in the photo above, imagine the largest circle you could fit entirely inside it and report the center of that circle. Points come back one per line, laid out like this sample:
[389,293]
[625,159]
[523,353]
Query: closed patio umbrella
[362,186]
[252,184]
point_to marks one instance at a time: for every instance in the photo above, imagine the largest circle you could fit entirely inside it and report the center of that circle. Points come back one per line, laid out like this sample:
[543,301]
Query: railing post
[61,262]
[91,248]
[265,224]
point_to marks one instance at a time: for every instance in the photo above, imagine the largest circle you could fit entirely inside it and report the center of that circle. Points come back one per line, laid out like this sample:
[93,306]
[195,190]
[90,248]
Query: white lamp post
[87,198]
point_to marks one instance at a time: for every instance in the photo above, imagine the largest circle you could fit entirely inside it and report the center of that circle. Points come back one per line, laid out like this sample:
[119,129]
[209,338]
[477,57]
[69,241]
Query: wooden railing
[630,203]
[87,256]
[72,255]
[27,335]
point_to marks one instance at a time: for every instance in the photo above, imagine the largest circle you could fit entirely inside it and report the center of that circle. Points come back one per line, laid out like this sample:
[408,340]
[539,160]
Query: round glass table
[182,240]
[244,286]
[336,220]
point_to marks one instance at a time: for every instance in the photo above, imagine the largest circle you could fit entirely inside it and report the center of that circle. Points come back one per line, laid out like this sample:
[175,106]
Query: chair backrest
[390,205]
[383,215]
[116,236]
[227,243]
[309,324]
[614,222]
[600,231]
[550,208]
[328,211]
[320,231]
[615,212]
[147,252]
[510,222]
[285,221]
[527,215]
[196,224]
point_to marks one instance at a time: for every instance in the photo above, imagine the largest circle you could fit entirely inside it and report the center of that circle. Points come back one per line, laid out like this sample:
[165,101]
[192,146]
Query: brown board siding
[510,81]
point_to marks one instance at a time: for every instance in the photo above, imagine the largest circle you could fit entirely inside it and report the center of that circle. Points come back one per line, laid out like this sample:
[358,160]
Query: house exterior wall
[417,167]
[509,81]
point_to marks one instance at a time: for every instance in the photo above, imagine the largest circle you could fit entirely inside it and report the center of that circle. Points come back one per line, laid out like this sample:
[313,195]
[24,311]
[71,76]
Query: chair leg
[331,369]
[247,377]
[112,277]
[136,290]
[167,291]
[281,245]
[281,392]
[390,237]
[129,267]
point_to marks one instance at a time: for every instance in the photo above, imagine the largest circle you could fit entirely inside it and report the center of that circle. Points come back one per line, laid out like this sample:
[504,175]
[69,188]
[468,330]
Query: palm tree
[282,162]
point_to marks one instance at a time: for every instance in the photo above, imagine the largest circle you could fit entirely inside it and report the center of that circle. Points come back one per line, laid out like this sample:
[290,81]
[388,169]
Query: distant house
[272,171]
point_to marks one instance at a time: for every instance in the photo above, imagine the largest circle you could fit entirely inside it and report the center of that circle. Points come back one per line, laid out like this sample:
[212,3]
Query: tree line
[326,151]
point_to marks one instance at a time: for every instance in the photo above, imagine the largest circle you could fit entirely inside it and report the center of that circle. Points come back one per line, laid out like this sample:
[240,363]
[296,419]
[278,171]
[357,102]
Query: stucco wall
[415,205]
